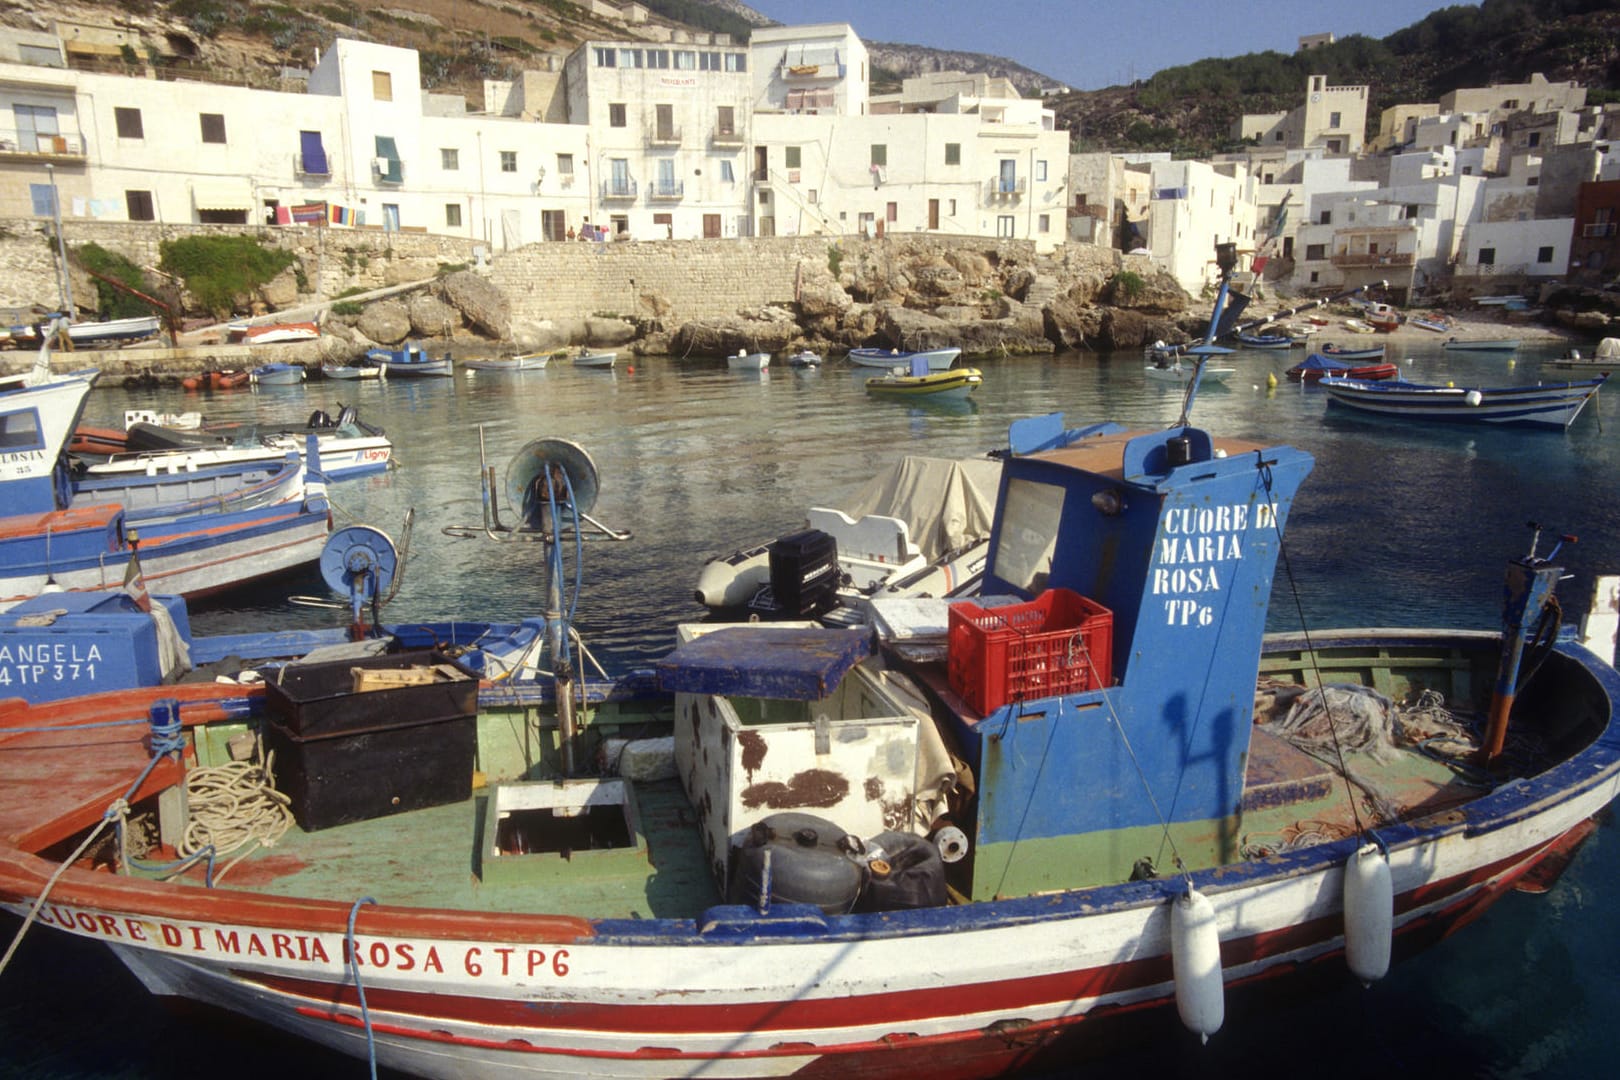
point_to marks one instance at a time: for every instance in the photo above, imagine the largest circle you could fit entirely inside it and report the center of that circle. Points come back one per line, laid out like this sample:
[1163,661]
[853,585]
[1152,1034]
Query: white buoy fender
[1369,913]
[1473,397]
[1195,957]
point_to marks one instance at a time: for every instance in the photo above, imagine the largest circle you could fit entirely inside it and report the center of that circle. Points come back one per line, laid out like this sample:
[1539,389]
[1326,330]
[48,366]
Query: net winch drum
[536,475]
[359,562]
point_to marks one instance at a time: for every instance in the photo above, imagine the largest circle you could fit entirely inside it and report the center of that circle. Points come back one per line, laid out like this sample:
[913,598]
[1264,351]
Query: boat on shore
[976,838]
[936,359]
[1551,405]
[274,333]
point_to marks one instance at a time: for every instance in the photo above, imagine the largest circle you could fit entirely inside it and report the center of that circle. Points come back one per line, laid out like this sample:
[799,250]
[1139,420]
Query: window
[1006,226]
[1043,223]
[686,60]
[891,212]
[1326,218]
[950,205]
[452,215]
[711,226]
[129,123]
[726,175]
[508,161]
[43,196]
[607,57]
[36,126]
[1510,103]
[565,166]
[880,154]
[1040,170]
[616,114]
[1411,210]
[1544,255]
[554,224]
[1315,277]
[663,226]
[382,86]
[736,61]
[213,127]
[1533,139]
[1278,137]
[791,156]
[1315,251]
[629,58]
[21,430]
[708,61]
[1533,181]
[953,153]
[1334,119]
[1487,256]
[1031,516]
[664,120]
[811,197]
[658,58]
[725,121]
[1334,146]
[449,159]
[138,204]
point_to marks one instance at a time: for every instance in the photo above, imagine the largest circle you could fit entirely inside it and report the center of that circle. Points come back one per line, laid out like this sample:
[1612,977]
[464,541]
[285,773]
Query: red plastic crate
[1058,643]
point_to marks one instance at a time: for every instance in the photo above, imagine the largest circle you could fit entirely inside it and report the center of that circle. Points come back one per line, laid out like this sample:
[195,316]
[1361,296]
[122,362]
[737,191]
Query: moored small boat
[1316,367]
[955,383]
[411,361]
[1266,341]
[359,369]
[887,359]
[1548,405]
[1340,353]
[804,358]
[1606,358]
[535,361]
[1483,345]
[278,375]
[748,361]
[591,359]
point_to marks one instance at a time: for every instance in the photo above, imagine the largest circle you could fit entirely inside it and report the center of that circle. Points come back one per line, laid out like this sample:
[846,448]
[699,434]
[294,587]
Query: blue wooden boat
[1266,341]
[411,361]
[1145,800]
[1554,405]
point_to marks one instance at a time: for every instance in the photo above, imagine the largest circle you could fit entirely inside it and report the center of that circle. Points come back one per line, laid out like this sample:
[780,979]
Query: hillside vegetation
[1190,109]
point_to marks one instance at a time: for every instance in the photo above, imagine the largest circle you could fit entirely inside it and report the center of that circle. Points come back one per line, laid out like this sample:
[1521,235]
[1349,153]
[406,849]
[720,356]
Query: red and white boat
[871,856]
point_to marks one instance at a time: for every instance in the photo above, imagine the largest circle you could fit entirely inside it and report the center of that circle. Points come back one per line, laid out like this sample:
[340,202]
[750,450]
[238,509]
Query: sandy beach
[1480,324]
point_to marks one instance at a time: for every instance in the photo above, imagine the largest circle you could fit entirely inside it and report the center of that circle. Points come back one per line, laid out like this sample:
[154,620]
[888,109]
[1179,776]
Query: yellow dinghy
[953,383]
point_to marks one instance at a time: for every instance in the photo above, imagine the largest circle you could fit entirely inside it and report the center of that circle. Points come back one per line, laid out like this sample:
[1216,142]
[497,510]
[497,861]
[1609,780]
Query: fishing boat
[411,361]
[1316,367]
[1340,353]
[195,533]
[937,359]
[278,374]
[804,358]
[918,382]
[359,368]
[114,331]
[1266,341]
[1483,345]
[1175,371]
[1096,791]
[749,361]
[1382,317]
[534,361]
[348,447]
[1554,405]
[917,528]
[1606,358]
[595,359]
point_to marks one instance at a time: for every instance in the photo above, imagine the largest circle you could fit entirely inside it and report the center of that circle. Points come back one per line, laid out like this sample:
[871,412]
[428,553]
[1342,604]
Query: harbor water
[1397,526]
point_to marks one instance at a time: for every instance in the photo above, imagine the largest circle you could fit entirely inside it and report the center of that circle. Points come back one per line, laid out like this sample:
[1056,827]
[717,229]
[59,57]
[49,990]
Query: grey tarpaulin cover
[945,503]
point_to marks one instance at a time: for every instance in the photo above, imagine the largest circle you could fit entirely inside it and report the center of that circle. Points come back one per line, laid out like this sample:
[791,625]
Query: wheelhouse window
[1029,529]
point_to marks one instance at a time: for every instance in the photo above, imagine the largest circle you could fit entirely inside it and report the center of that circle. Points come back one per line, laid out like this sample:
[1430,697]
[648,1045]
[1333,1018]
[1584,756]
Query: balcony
[619,187]
[1002,189]
[1597,230]
[39,146]
[666,190]
[798,73]
[663,135]
[1372,258]
[726,136]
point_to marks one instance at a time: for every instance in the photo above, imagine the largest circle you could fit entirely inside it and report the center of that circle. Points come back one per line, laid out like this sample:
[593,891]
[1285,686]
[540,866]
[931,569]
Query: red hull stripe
[897,1008]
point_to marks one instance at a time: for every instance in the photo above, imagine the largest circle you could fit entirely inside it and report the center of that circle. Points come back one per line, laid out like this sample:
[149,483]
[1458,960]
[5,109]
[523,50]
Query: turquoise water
[1396,526]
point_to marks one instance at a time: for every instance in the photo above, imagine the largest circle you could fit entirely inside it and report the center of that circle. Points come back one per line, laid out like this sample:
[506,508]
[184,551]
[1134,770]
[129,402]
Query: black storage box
[343,756]
[804,573]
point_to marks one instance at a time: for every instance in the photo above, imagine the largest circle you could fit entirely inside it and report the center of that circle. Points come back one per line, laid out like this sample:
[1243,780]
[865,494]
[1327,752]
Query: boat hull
[954,384]
[888,359]
[1180,374]
[974,990]
[1554,405]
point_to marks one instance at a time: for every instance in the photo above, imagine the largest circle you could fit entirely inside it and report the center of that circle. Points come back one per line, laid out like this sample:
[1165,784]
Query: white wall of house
[1194,207]
[666,124]
[782,59]
[1538,248]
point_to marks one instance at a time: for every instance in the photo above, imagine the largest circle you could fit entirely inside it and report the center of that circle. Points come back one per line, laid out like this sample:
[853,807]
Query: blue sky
[1095,44]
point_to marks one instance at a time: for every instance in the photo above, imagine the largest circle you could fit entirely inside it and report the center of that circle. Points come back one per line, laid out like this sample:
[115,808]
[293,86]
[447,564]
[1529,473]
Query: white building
[669,128]
[1532,249]
[816,70]
[1196,205]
